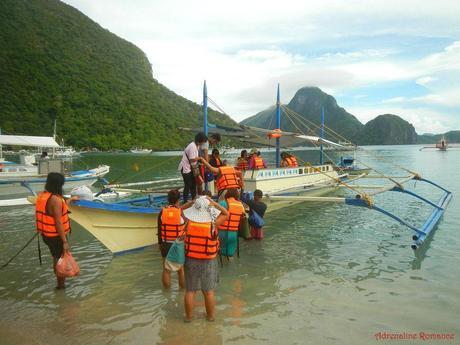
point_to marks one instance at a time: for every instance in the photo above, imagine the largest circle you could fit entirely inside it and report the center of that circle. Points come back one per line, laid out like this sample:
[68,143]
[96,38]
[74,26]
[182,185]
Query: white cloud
[244,48]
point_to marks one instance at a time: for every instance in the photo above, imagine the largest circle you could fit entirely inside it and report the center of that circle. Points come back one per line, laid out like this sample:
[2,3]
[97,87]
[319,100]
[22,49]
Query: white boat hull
[11,184]
[118,231]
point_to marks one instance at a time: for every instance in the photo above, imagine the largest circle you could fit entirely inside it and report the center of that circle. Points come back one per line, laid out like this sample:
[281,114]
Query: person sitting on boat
[52,219]
[227,177]
[288,160]
[242,161]
[189,168]
[201,248]
[256,161]
[257,211]
[171,224]
[228,231]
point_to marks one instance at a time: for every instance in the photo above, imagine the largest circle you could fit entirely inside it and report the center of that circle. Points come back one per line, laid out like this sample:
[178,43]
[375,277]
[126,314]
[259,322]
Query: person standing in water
[171,224]
[201,248]
[258,206]
[52,219]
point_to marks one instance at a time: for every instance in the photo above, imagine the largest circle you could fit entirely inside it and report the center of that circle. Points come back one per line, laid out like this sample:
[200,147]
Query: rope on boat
[20,251]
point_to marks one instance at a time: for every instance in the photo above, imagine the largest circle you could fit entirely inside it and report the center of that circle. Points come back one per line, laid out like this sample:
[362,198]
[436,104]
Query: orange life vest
[45,223]
[227,178]
[242,164]
[199,241]
[218,162]
[258,162]
[235,212]
[291,161]
[172,223]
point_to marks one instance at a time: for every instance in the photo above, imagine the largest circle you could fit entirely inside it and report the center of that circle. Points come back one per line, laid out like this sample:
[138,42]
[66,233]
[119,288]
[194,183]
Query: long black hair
[54,183]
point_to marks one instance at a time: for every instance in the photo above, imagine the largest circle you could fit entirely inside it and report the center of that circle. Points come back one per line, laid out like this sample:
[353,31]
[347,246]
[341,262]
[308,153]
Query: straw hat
[253,151]
[199,212]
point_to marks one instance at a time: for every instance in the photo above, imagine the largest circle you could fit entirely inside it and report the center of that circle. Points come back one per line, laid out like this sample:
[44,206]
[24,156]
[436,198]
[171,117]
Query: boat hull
[117,230]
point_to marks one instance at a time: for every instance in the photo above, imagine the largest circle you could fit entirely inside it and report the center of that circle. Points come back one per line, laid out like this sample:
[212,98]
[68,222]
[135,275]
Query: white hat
[199,212]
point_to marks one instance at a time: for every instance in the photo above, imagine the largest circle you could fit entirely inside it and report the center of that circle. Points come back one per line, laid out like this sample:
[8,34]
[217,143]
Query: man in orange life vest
[256,161]
[171,224]
[288,160]
[227,177]
[52,219]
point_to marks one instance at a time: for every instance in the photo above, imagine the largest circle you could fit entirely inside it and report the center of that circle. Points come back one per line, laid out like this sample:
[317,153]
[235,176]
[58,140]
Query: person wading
[52,219]
[201,247]
[227,177]
[171,224]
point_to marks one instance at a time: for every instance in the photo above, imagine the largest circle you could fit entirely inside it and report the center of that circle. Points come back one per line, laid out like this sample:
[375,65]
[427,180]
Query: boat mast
[205,121]
[278,126]
[321,135]
[54,136]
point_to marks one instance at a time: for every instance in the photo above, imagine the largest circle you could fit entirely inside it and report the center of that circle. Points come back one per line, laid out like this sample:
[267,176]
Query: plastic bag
[176,256]
[67,266]
[243,230]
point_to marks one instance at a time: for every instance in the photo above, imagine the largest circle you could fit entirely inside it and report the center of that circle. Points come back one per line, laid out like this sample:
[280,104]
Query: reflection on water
[324,274]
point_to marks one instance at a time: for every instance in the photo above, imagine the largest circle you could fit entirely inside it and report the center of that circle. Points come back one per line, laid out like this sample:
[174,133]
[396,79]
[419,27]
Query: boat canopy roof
[26,140]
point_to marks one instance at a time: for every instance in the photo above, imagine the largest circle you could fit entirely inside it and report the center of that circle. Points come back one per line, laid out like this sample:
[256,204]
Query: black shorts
[55,245]
[164,248]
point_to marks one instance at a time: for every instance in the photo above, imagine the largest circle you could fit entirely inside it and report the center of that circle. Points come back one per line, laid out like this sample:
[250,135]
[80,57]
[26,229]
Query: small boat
[140,151]
[348,165]
[442,144]
[18,180]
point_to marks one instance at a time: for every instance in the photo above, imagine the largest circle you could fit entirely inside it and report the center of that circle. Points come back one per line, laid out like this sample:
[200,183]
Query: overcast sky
[374,57]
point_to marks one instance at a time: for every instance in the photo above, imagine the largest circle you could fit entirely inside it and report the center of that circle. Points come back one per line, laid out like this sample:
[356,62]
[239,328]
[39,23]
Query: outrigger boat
[132,224]
[19,180]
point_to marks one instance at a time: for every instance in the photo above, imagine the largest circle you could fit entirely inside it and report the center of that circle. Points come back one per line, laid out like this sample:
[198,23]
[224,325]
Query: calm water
[325,274]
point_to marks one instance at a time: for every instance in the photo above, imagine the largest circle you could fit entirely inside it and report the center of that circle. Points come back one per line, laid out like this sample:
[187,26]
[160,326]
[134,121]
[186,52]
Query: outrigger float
[131,224]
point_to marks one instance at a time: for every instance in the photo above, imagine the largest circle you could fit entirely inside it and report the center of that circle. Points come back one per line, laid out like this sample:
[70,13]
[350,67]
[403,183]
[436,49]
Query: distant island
[386,129]
[59,64]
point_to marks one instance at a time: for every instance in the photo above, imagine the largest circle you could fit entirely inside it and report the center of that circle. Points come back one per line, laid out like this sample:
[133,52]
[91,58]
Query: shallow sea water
[324,274]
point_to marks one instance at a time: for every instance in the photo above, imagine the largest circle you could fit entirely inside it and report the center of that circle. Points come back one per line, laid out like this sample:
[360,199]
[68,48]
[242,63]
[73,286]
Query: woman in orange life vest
[242,161]
[171,224]
[215,160]
[52,219]
[288,160]
[227,177]
[256,161]
[228,231]
[201,247]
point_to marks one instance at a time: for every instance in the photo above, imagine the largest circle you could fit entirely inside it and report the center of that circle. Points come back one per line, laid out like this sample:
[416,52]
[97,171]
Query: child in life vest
[257,206]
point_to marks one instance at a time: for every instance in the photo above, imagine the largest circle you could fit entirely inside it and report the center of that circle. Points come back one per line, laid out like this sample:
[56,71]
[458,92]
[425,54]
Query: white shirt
[192,152]
[204,146]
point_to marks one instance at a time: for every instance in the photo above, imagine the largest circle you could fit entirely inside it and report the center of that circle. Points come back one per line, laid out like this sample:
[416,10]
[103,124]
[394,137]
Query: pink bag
[67,266]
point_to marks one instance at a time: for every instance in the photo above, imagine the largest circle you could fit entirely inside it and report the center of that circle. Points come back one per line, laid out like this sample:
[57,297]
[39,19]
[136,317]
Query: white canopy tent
[25,140]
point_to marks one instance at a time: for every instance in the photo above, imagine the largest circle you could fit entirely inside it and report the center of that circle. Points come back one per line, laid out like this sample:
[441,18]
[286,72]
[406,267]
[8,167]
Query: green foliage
[388,130]
[308,103]
[56,62]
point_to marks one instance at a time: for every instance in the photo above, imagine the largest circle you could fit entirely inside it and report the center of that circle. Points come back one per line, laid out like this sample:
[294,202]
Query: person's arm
[160,240]
[55,205]
[187,204]
[209,166]
[239,174]
[72,198]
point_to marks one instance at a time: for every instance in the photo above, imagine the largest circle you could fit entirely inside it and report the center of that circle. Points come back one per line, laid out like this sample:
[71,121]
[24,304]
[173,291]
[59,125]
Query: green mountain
[56,62]
[387,130]
[308,102]
[452,137]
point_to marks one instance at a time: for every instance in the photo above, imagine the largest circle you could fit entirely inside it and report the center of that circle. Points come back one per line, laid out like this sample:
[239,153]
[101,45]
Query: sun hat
[253,151]
[199,212]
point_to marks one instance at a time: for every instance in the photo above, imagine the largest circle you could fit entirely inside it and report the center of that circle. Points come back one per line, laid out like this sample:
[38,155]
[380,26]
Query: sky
[375,57]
